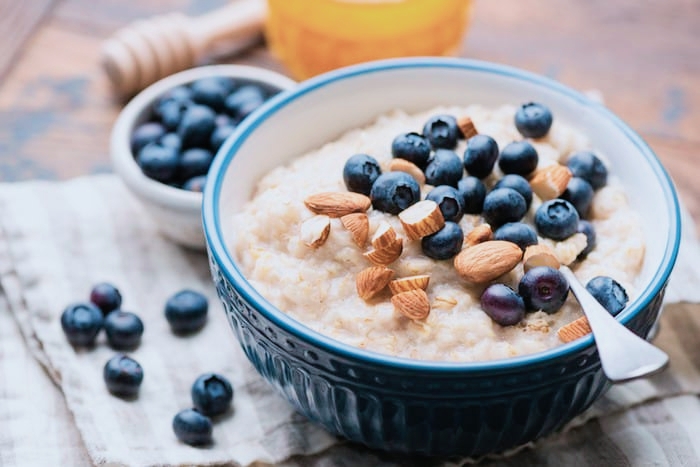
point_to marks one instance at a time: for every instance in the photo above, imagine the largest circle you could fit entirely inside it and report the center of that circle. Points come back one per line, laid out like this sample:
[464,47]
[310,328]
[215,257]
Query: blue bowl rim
[215,239]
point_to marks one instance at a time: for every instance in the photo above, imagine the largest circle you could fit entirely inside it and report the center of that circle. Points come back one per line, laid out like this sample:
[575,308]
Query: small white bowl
[176,211]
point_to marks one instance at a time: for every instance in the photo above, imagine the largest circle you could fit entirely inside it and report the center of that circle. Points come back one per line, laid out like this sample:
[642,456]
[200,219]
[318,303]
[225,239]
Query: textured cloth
[58,239]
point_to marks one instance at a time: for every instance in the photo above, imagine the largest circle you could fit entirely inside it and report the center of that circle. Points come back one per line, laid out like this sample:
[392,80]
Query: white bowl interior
[324,112]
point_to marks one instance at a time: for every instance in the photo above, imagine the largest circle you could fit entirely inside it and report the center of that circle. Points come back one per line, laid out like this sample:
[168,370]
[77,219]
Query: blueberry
[195,183]
[503,205]
[445,243]
[393,192]
[193,428]
[212,394]
[171,140]
[586,165]
[211,92]
[186,311]
[579,193]
[219,135]
[588,230]
[223,119]
[516,232]
[445,168]
[124,330]
[533,120]
[145,134]
[244,101]
[518,157]
[182,94]
[123,376]
[442,131]
[543,288]
[480,156]
[556,219]
[449,200]
[360,173]
[193,162]
[81,322]
[196,126]
[171,112]
[503,305]
[158,162]
[473,192]
[106,297]
[412,147]
[519,184]
[609,293]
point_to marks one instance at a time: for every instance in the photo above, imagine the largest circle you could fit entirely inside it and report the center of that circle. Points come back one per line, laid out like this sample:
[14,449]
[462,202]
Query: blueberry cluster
[186,312]
[212,395]
[503,207]
[189,123]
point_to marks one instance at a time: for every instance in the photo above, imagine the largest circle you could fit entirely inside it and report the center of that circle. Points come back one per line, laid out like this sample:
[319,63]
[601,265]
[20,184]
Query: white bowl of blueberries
[166,137]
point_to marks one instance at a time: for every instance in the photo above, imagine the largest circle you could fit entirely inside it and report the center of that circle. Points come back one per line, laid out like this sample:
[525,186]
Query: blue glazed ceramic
[396,404]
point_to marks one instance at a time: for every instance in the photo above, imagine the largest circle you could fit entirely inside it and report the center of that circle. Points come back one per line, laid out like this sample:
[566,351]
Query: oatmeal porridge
[310,265]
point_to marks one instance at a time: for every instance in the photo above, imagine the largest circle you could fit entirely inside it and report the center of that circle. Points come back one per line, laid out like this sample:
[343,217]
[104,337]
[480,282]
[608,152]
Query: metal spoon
[623,354]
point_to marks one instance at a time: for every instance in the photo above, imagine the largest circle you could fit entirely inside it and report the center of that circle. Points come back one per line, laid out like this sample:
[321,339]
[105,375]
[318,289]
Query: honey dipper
[148,50]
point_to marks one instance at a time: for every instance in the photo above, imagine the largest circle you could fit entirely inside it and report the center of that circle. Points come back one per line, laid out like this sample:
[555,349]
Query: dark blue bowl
[397,404]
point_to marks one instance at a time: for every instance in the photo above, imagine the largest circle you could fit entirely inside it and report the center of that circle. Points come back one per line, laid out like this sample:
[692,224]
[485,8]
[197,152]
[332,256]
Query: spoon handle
[623,354]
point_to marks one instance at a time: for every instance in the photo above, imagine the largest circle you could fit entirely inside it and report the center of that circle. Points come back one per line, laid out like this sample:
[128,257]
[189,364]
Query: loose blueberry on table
[193,428]
[188,124]
[124,330]
[186,311]
[106,297]
[212,394]
[81,322]
[123,376]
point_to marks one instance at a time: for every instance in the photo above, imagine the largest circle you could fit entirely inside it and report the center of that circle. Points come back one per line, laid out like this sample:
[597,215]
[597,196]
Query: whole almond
[369,282]
[575,329]
[413,304]
[466,126]
[479,234]
[357,224]
[314,231]
[405,284]
[387,255]
[335,204]
[421,219]
[550,182]
[402,165]
[384,237]
[486,261]
[539,255]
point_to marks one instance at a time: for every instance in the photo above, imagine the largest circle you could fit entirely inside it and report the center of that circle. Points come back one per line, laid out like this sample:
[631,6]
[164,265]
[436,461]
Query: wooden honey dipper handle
[148,50]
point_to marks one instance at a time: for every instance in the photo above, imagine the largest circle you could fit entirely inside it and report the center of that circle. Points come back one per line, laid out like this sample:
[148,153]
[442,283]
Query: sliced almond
[574,330]
[466,126]
[384,237]
[486,261]
[402,165]
[371,281]
[421,219]
[405,284]
[413,304]
[337,204]
[314,231]
[479,234]
[550,182]
[539,255]
[357,224]
[384,256]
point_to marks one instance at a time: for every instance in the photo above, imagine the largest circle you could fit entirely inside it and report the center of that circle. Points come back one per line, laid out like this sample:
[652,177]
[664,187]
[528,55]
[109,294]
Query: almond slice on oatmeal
[402,165]
[466,126]
[413,304]
[384,237]
[479,234]
[539,255]
[551,181]
[421,219]
[337,204]
[575,329]
[357,224]
[369,282]
[314,231]
[404,284]
[386,255]
[486,261]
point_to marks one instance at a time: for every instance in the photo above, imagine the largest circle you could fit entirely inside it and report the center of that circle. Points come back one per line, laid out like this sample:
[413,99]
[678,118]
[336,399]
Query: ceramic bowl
[397,404]
[177,212]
